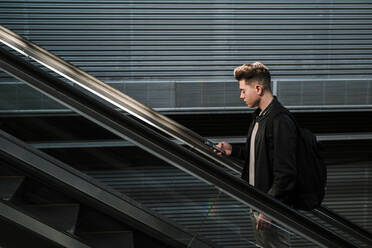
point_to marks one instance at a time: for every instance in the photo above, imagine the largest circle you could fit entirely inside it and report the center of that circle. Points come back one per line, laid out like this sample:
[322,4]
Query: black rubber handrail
[343,224]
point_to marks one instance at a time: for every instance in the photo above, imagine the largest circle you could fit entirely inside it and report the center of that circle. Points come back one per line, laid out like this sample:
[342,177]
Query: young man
[269,154]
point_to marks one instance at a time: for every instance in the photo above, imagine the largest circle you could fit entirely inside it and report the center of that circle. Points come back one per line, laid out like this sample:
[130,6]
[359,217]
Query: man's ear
[259,89]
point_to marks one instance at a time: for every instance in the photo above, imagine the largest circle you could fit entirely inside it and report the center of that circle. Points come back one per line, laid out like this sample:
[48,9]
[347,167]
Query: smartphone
[214,146]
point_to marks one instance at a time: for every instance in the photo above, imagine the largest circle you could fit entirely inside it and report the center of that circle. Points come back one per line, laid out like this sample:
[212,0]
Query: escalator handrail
[160,146]
[113,96]
[347,226]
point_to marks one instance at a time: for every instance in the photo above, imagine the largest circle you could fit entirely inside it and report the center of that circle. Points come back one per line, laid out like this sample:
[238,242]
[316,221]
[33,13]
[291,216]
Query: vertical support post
[275,87]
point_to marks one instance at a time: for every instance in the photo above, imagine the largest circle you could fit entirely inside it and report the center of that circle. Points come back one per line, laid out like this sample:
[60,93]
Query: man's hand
[263,222]
[225,147]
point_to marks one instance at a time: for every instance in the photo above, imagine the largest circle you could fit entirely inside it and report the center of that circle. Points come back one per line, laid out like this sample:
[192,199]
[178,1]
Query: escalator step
[112,239]
[9,186]
[18,229]
[63,217]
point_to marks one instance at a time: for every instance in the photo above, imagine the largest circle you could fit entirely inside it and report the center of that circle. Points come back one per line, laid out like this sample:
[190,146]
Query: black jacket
[275,158]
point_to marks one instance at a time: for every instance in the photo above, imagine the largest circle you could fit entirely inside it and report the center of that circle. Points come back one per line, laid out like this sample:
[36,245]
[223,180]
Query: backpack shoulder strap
[272,115]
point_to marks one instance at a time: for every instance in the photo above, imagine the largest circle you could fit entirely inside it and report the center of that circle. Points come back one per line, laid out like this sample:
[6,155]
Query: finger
[259,224]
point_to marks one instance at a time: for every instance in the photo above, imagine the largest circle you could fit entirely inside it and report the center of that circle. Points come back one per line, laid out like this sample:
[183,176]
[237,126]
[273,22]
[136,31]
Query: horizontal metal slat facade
[180,54]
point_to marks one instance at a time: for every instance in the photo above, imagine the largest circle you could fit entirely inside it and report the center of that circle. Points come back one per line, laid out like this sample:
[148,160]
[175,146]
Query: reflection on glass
[231,224]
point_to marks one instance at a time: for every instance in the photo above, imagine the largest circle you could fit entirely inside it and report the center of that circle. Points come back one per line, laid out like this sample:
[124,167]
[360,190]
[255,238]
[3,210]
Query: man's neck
[265,101]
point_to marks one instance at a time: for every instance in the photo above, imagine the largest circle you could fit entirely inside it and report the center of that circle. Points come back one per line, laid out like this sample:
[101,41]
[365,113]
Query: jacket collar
[256,114]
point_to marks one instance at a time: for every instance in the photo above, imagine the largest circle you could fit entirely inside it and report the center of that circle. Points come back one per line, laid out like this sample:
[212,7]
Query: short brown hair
[256,71]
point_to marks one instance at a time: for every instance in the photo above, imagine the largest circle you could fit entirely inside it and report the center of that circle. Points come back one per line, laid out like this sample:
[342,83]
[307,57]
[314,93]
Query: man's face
[250,93]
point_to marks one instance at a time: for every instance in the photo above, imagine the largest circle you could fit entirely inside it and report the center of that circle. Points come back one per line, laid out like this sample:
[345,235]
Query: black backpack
[311,171]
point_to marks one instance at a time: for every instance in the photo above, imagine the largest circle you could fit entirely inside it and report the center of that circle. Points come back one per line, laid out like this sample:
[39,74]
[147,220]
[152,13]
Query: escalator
[221,198]
[51,192]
